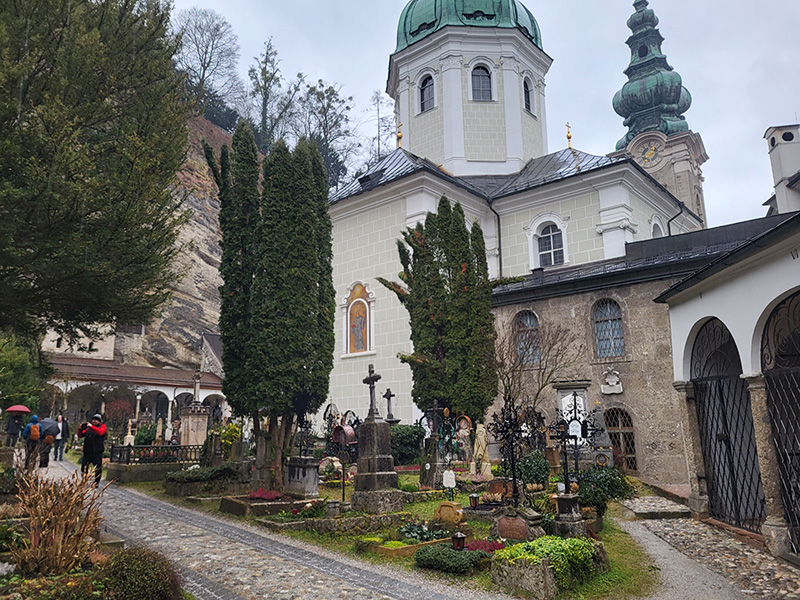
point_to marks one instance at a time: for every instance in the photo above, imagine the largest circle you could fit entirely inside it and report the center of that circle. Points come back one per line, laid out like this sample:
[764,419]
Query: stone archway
[725,425]
[780,365]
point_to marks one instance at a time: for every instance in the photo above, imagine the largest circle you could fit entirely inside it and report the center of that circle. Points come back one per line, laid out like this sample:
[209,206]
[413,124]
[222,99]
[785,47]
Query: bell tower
[653,102]
[467,78]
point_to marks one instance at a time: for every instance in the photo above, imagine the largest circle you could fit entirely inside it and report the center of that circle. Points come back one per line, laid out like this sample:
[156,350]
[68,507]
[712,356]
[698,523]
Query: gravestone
[375,462]
[521,524]
[449,512]
[194,424]
[301,477]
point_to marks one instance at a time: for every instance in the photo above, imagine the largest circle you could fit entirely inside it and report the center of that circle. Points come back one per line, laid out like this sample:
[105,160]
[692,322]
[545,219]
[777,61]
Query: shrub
[140,574]
[145,435]
[223,471]
[409,487]
[534,469]
[598,485]
[363,544]
[442,557]
[63,514]
[572,559]
[406,443]
[395,544]
[8,482]
[498,471]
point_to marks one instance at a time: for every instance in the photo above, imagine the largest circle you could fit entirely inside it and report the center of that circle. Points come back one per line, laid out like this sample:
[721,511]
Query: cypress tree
[447,294]
[237,180]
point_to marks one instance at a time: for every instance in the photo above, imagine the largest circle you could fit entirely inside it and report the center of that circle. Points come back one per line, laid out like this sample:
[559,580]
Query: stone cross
[371,380]
[389,395]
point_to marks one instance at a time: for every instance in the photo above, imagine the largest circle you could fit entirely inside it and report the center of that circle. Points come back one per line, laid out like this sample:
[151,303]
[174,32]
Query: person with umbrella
[32,435]
[48,430]
[93,446]
[13,427]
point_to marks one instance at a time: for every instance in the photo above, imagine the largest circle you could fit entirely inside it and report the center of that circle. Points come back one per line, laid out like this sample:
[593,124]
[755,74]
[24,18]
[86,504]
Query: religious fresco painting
[358,320]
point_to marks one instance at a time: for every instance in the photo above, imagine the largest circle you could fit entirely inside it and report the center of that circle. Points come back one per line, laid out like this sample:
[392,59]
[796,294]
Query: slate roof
[539,171]
[647,260]
[107,371]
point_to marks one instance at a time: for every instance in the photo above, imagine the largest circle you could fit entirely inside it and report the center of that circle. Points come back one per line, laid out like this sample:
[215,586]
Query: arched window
[551,246]
[526,96]
[623,438]
[426,94]
[526,336]
[481,84]
[358,320]
[657,232]
[609,340]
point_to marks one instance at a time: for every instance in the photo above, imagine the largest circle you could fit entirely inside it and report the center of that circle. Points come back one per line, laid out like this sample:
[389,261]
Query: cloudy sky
[739,59]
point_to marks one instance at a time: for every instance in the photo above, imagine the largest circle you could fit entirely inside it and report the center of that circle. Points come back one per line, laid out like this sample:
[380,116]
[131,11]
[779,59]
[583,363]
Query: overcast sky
[740,60]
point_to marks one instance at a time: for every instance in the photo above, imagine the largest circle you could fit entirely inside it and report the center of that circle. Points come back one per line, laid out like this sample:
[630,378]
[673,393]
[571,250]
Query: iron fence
[155,454]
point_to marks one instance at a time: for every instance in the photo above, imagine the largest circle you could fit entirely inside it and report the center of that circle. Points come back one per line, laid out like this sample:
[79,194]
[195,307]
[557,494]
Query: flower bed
[404,551]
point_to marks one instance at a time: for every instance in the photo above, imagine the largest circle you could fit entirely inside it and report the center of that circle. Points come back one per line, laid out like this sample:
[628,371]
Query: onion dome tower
[467,78]
[653,102]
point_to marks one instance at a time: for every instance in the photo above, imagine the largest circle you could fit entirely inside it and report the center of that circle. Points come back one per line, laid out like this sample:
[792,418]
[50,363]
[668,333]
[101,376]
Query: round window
[642,51]
[788,136]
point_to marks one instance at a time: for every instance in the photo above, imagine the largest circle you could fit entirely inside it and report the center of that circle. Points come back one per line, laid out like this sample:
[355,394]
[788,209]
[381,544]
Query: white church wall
[484,122]
[427,128]
[365,247]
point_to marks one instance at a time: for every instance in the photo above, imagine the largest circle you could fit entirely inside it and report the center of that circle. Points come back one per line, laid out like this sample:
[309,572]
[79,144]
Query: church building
[591,235]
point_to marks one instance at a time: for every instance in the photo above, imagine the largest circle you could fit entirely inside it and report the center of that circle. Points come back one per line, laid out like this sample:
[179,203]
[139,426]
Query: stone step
[110,542]
[656,507]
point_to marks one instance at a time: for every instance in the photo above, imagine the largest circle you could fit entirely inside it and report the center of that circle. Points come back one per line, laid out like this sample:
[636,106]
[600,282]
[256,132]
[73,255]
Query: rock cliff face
[175,338]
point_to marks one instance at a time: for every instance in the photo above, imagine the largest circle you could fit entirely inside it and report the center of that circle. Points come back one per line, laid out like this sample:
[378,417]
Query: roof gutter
[499,241]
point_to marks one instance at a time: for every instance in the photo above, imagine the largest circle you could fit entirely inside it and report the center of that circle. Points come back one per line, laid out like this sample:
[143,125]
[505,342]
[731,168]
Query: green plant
[598,485]
[572,559]
[9,536]
[498,471]
[442,557]
[395,544]
[406,443]
[140,574]
[534,468]
[362,544]
[145,435]
[223,471]
[418,530]
[8,482]
[409,487]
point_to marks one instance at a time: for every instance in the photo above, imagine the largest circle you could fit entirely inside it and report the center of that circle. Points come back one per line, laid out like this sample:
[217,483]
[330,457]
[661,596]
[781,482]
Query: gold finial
[569,135]
[399,135]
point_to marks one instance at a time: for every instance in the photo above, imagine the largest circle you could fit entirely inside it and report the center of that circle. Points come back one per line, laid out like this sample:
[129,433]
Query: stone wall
[645,371]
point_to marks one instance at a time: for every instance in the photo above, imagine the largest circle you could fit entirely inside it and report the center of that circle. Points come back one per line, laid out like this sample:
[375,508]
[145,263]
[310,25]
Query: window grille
[481,84]
[609,340]
[426,94]
[623,438]
[551,247]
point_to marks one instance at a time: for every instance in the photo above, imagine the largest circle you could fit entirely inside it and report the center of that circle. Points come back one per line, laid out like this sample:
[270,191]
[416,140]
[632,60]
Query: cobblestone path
[225,560]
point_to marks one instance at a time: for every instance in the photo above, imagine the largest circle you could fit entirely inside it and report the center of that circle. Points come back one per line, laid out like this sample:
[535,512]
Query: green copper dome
[654,98]
[421,18]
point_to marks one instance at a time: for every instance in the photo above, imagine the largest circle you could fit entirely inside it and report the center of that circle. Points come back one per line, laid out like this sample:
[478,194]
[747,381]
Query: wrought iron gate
[780,364]
[727,438]
[623,438]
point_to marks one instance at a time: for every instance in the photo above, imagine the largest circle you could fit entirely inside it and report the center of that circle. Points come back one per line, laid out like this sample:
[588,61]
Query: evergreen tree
[237,181]
[447,293]
[292,302]
[92,132]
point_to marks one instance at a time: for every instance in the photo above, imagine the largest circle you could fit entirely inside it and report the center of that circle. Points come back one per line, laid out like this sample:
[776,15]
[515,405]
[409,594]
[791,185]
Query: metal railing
[155,454]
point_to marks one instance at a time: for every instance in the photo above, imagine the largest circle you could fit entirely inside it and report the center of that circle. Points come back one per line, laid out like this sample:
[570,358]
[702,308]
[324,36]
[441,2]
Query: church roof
[675,256]
[538,172]
[421,18]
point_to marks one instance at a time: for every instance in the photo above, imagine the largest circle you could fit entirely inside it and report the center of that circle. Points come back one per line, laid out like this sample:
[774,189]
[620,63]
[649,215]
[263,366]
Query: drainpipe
[669,223]
[499,242]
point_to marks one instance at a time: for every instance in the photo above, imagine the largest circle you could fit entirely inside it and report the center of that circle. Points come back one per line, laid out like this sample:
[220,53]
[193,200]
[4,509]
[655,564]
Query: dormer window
[481,84]
[426,94]
[551,246]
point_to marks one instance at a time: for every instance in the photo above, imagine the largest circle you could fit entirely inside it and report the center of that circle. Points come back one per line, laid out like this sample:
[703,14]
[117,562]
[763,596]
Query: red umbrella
[18,408]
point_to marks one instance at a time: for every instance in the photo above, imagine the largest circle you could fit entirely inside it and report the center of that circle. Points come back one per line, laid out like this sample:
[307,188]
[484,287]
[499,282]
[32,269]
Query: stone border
[340,525]
[242,507]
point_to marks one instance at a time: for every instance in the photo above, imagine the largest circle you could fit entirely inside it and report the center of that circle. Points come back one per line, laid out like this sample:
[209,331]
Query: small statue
[481,452]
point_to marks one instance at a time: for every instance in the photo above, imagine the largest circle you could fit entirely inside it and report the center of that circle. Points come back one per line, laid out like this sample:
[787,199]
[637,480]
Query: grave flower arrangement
[490,498]
[417,531]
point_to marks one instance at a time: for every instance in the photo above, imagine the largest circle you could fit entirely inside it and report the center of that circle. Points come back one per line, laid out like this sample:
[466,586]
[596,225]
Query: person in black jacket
[94,435]
[13,427]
